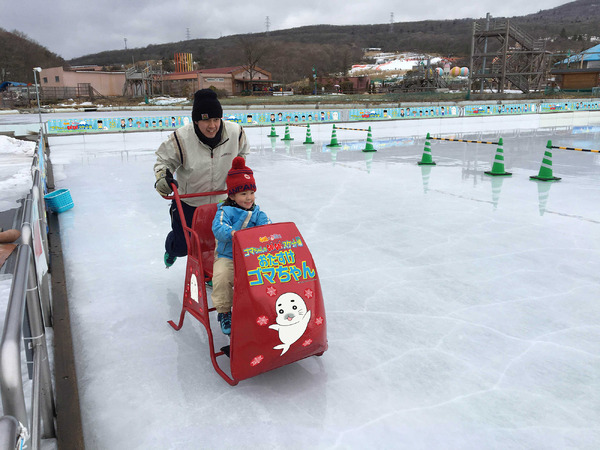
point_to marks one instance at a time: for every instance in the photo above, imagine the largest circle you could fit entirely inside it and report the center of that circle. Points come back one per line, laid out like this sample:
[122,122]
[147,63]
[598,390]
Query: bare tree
[253,50]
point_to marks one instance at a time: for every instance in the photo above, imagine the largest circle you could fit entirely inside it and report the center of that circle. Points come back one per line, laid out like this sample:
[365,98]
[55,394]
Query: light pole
[37,70]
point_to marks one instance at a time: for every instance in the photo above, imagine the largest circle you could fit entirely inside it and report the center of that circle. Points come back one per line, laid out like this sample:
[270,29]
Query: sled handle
[198,194]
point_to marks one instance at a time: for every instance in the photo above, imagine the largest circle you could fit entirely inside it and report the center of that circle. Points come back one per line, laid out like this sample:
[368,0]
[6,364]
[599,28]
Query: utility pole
[267,24]
[125,39]
[187,34]
[391,22]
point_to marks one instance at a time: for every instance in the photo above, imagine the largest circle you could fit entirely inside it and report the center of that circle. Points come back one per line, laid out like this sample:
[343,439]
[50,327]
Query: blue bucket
[59,200]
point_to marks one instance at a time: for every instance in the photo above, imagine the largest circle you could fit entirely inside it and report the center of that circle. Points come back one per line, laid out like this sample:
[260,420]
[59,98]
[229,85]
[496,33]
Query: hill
[290,54]
[19,55]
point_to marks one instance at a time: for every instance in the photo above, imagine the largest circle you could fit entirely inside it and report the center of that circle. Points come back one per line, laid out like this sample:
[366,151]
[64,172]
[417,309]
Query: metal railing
[28,312]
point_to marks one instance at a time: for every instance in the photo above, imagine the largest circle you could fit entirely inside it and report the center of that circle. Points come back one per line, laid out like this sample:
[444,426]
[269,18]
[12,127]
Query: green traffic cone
[334,141]
[273,134]
[308,136]
[426,159]
[369,147]
[287,136]
[545,173]
[498,166]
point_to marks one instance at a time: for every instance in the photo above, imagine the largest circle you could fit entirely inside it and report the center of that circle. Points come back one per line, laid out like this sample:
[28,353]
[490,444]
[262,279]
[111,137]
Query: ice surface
[462,309]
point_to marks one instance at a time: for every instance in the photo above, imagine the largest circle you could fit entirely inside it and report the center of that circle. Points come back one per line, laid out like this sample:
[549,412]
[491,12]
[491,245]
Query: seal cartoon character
[292,320]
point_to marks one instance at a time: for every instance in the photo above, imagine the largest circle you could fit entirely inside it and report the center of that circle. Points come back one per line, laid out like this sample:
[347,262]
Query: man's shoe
[169,260]
[225,319]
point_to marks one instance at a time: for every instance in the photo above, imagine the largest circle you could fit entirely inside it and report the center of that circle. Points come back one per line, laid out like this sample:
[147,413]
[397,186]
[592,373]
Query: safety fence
[28,313]
[545,173]
[312,116]
[572,148]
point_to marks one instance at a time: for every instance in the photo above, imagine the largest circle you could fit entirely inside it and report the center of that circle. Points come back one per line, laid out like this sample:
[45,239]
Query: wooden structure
[504,57]
[577,79]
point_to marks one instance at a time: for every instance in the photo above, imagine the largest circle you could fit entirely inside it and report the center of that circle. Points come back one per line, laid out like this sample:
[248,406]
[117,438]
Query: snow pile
[15,170]
[9,145]
[395,62]
[165,101]
[15,187]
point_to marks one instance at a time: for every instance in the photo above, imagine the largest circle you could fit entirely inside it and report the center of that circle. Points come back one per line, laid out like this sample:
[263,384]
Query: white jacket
[195,166]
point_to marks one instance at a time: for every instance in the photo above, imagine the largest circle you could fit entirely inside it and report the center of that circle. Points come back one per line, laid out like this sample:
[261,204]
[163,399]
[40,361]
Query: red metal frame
[256,326]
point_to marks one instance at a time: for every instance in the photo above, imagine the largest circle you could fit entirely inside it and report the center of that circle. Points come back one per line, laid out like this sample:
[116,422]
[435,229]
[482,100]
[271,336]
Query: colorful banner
[266,118]
[416,112]
[275,117]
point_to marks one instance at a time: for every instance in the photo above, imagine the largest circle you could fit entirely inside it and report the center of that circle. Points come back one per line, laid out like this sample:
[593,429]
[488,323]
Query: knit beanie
[240,178]
[206,105]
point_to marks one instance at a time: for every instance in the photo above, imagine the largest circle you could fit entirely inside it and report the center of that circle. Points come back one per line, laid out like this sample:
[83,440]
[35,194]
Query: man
[198,156]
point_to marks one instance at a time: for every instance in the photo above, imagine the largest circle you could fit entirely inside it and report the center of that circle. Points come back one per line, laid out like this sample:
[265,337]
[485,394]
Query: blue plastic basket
[59,201]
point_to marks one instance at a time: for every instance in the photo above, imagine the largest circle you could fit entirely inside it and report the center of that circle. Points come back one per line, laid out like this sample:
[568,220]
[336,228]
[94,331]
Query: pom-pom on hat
[206,105]
[240,178]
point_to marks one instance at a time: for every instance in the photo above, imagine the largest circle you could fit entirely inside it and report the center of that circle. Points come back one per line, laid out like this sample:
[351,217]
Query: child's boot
[225,320]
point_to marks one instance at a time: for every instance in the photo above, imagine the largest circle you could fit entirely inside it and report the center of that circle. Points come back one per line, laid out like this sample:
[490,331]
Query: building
[345,85]
[579,72]
[233,80]
[80,82]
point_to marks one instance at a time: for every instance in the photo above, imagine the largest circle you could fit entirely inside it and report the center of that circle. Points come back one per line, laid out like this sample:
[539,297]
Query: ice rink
[463,310]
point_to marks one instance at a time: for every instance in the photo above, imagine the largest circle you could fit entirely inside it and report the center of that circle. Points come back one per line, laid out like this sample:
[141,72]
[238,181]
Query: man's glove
[164,179]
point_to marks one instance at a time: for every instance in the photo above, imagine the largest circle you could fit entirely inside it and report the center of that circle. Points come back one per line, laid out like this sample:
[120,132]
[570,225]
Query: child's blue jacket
[231,218]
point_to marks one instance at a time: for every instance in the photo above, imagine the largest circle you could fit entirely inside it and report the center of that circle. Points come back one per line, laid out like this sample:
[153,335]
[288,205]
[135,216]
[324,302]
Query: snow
[462,309]
[394,62]
[15,174]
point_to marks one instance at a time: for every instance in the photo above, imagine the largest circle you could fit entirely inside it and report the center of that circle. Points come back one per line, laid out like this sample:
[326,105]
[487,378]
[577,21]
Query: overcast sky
[72,29]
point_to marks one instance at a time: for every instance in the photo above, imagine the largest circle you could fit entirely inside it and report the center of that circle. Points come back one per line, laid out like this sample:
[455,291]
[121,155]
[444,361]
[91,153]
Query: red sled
[278,316]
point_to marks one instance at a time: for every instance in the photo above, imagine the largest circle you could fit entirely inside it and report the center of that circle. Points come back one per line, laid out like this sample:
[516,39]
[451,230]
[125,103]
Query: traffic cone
[498,166]
[334,141]
[369,147]
[546,167]
[273,134]
[426,159]
[287,136]
[308,139]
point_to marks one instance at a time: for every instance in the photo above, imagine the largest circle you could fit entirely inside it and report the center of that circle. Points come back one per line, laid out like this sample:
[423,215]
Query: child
[237,212]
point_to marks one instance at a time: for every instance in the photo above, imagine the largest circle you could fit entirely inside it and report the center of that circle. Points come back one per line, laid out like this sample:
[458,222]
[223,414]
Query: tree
[253,50]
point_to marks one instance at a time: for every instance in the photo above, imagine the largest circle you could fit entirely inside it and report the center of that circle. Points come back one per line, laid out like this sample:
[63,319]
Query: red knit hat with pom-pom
[240,178]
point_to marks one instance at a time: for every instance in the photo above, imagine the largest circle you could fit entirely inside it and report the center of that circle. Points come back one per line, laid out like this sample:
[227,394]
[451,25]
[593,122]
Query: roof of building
[591,54]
